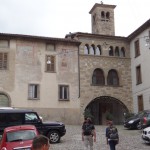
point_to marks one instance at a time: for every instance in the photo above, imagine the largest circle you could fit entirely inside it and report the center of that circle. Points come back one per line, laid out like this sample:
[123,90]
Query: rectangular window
[4,44]
[50,63]
[140,103]
[50,47]
[33,92]
[3,61]
[137,48]
[63,92]
[138,75]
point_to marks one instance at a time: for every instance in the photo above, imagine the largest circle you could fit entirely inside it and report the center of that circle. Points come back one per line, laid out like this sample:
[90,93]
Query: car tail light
[144,120]
[4,148]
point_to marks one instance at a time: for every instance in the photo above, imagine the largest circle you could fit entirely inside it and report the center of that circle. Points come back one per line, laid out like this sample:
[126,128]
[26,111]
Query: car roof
[148,110]
[6,108]
[14,110]
[20,127]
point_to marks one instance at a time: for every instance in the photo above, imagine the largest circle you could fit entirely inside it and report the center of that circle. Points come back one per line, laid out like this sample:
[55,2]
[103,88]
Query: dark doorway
[103,105]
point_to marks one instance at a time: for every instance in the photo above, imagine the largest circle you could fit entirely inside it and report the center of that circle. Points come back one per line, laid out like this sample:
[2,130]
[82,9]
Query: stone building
[62,77]
[140,54]
[105,67]
[40,73]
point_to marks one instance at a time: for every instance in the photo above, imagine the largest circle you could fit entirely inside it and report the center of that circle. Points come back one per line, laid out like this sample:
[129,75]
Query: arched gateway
[100,106]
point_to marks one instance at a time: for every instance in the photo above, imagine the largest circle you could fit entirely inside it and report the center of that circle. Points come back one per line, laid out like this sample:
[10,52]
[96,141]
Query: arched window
[122,52]
[92,49]
[103,15]
[111,53]
[117,51]
[98,77]
[107,15]
[112,78]
[86,49]
[98,50]
[94,18]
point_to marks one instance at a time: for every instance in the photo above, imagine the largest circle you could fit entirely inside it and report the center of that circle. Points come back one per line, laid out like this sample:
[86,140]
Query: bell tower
[102,19]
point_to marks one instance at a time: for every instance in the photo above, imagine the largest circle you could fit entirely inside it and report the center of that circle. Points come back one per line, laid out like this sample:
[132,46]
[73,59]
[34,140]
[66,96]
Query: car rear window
[22,135]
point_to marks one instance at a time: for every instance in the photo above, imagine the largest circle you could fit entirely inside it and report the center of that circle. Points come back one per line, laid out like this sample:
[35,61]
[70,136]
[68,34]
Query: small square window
[4,44]
[3,61]
[63,92]
[33,92]
[50,47]
[50,63]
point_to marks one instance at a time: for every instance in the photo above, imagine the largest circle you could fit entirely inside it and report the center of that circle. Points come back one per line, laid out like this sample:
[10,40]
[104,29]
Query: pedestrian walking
[88,133]
[112,137]
[40,142]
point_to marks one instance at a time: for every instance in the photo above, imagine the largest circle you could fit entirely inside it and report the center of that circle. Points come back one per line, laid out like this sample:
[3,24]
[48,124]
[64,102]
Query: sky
[56,18]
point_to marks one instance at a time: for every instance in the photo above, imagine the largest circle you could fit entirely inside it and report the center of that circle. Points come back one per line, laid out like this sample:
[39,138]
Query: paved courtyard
[129,139]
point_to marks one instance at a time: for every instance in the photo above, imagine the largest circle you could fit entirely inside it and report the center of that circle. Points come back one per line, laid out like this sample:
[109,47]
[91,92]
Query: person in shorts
[88,133]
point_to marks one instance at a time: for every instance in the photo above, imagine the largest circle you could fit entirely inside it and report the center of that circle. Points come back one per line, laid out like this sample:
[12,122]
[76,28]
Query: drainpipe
[79,71]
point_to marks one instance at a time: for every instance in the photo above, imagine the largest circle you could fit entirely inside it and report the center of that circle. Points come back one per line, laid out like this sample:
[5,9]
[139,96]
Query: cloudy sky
[56,18]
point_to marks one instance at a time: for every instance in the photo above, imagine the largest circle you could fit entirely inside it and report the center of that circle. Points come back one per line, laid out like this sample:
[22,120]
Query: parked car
[12,117]
[146,135]
[134,121]
[145,120]
[17,108]
[18,137]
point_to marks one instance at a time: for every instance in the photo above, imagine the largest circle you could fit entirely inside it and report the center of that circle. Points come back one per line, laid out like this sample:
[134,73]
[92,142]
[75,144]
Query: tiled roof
[41,38]
[80,34]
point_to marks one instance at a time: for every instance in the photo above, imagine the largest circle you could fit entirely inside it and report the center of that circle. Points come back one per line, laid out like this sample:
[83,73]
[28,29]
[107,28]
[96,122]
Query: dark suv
[145,120]
[12,117]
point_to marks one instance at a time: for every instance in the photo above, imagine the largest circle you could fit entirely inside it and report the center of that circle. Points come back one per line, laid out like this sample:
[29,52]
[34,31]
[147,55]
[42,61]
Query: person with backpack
[112,137]
[88,133]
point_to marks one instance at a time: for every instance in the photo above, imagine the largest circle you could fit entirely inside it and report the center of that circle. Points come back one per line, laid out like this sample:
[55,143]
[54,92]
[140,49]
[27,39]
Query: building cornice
[139,30]
[101,5]
[89,35]
[39,38]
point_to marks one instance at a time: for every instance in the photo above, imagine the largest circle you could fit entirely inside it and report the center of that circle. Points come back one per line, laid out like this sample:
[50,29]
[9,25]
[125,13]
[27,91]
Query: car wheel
[54,136]
[138,126]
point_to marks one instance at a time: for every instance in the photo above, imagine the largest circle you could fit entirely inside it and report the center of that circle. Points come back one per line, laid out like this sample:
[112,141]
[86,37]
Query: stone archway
[4,100]
[101,105]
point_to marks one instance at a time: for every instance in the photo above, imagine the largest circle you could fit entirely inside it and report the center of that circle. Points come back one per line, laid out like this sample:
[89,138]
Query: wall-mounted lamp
[147,42]
[48,60]
[147,39]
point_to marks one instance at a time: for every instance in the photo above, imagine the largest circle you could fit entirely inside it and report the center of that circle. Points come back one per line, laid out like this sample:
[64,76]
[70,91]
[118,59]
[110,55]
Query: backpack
[113,133]
[87,129]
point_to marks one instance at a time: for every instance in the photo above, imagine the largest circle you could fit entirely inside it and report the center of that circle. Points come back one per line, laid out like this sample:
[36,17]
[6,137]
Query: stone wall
[88,63]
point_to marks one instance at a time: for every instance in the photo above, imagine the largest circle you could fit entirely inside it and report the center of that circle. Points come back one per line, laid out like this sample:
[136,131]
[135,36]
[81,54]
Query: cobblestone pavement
[129,139]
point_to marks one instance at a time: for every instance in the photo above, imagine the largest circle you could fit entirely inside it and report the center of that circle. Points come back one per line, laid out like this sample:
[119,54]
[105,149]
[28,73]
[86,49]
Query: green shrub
[87,113]
[109,116]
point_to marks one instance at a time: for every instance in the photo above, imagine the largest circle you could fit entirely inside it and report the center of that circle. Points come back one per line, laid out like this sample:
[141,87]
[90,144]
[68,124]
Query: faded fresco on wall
[26,52]
[64,60]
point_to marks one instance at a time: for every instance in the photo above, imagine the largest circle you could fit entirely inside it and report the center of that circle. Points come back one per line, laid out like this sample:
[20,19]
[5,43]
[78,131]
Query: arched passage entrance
[100,106]
[4,100]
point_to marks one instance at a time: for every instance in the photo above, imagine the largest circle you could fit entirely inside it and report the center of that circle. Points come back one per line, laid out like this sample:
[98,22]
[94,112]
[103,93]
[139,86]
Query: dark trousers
[112,144]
